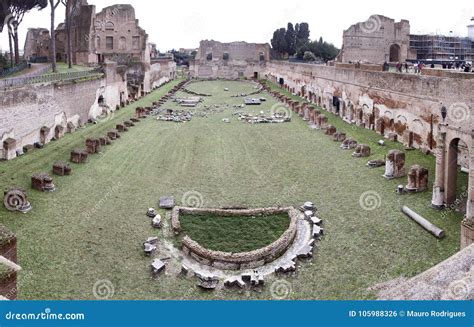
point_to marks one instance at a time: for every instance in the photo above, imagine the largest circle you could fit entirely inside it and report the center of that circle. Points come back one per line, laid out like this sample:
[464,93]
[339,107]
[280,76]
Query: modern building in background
[444,48]
[380,39]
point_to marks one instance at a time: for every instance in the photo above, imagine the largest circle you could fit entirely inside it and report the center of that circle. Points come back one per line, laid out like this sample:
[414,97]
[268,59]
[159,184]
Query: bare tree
[53,4]
[71,10]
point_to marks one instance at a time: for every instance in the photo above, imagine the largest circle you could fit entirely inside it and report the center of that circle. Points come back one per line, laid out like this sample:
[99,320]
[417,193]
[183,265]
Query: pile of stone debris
[263,119]
[177,116]
[189,101]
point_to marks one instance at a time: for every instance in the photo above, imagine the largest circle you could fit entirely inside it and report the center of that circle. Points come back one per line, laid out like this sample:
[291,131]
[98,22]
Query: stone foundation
[467,235]
[236,261]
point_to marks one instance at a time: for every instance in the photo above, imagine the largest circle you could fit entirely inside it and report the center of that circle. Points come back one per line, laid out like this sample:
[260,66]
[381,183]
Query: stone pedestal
[395,164]
[44,135]
[58,132]
[417,179]
[9,149]
[467,235]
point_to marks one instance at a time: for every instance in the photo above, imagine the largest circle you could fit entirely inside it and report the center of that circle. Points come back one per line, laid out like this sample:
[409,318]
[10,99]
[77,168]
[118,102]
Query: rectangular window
[109,42]
[136,43]
[209,56]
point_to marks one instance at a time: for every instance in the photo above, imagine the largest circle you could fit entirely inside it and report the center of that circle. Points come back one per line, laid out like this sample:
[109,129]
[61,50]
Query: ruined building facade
[37,44]
[379,39]
[229,60]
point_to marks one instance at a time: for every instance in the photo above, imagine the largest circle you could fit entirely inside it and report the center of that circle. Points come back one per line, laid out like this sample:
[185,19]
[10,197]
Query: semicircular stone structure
[243,260]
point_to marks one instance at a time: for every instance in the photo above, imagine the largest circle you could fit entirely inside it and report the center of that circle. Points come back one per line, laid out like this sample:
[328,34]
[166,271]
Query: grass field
[93,226]
[234,234]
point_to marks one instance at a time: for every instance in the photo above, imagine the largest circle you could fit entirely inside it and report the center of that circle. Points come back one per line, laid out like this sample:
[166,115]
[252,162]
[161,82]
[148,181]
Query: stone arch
[395,53]
[109,26]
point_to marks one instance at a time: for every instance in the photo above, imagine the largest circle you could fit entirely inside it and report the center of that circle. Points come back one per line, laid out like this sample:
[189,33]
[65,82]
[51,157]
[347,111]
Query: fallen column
[437,232]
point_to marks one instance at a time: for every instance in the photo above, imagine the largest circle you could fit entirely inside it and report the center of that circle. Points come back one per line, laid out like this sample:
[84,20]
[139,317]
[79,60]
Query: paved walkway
[35,70]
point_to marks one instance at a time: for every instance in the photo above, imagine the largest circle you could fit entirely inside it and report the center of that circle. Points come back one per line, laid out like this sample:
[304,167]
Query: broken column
[44,132]
[348,144]
[9,149]
[330,130]
[121,128]
[437,232]
[62,169]
[93,145]
[417,179]
[58,132]
[339,137]
[42,182]
[79,156]
[70,128]
[361,151]
[15,199]
[395,164]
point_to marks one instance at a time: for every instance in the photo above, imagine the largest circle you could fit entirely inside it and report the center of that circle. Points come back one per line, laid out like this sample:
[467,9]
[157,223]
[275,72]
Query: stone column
[467,226]
[438,186]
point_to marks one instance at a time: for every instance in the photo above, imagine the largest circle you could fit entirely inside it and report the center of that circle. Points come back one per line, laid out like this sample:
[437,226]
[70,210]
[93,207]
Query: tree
[53,4]
[4,12]
[71,10]
[290,38]
[3,62]
[309,56]
[18,9]
[279,41]
[302,34]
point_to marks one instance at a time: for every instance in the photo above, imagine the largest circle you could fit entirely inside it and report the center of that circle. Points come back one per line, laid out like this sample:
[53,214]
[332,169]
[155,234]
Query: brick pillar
[467,226]
[9,149]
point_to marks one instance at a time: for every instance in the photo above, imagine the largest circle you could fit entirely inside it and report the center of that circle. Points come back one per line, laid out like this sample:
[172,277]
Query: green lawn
[234,234]
[62,67]
[93,226]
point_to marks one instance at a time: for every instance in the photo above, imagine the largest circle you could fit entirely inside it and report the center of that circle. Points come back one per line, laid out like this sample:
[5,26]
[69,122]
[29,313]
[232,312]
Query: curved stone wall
[243,260]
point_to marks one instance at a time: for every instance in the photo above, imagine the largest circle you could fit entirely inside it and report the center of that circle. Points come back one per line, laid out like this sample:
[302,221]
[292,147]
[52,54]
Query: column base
[467,235]
[437,201]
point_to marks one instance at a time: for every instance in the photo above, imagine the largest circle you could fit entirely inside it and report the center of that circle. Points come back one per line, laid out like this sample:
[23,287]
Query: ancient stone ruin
[361,151]
[42,182]
[339,137]
[9,148]
[79,156]
[15,199]
[395,164]
[417,179]
[330,130]
[113,134]
[121,128]
[93,145]
[44,133]
[349,144]
[62,169]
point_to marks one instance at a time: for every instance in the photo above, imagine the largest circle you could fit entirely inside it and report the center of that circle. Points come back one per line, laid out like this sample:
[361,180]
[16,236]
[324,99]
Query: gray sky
[175,24]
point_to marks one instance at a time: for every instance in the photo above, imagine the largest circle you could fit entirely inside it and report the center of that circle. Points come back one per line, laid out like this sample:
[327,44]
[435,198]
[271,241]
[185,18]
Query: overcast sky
[175,24]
